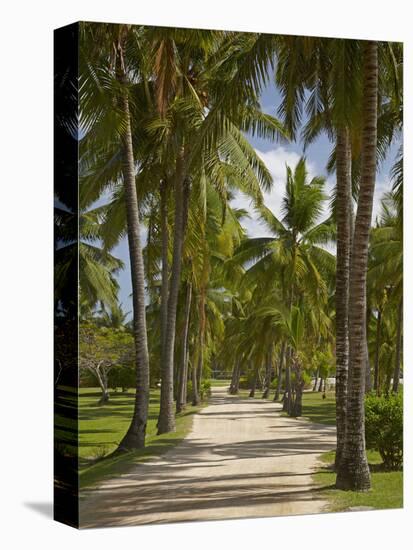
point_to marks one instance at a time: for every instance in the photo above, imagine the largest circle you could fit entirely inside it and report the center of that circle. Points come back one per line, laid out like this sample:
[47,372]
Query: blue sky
[275,156]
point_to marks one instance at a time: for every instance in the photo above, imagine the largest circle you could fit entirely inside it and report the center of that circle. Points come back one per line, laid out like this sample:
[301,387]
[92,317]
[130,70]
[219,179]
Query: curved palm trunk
[135,436]
[183,372]
[166,420]
[353,472]
[343,153]
[396,375]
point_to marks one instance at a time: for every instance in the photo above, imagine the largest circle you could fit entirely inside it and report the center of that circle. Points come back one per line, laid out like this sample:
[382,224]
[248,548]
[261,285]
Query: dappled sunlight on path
[242,459]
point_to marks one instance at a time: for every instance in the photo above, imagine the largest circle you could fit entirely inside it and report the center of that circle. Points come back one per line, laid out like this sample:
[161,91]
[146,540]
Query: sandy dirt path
[242,459]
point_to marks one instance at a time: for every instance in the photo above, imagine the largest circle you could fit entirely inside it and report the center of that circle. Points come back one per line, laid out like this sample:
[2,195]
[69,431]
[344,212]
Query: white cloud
[276,161]
[381,188]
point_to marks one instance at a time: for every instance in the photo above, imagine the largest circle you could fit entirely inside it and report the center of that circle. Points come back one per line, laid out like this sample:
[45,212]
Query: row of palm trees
[164,115]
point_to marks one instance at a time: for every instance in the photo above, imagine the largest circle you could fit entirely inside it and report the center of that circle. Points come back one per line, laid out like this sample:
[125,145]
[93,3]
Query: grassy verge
[386,487]
[319,410]
[102,427]
[223,382]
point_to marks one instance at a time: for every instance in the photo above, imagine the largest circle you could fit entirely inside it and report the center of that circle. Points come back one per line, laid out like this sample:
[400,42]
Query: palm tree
[353,471]
[302,266]
[328,70]
[105,95]
[385,274]
[206,142]
[97,267]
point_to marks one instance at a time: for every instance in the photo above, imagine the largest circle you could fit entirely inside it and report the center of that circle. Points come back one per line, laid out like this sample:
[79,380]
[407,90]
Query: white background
[26,269]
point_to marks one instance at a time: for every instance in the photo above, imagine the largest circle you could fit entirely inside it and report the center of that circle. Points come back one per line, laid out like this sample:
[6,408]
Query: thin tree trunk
[166,421]
[396,375]
[183,371]
[165,267]
[254,382]
[287,395]
[280,371]
[135,436]
[376,353]
[316,380]
[233,388]
[195,391]
[268,371]
[343,152]
[367,384]
[201,337]
[103,385]
[353,472]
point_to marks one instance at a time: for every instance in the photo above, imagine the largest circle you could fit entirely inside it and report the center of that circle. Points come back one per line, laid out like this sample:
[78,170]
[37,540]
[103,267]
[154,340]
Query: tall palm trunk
[166,420]
[316,379]
[343,153]
[376,353]
[183,371]
[353,472]
[135,436]
[396,375]
[280,372]
[202,327]
[195,391]
[287,402]
[254,382]
[367,374]
[233,387]
[268,370]
[165,268]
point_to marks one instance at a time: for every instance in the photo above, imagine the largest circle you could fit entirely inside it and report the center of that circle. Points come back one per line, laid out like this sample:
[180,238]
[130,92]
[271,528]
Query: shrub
[274,383]
[189,390]
[384,428]
[205,390]
[243,383]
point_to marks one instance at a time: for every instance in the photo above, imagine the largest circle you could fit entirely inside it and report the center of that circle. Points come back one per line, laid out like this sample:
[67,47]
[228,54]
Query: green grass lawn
[223,382]
[317,409]
[102,427]
[386,487]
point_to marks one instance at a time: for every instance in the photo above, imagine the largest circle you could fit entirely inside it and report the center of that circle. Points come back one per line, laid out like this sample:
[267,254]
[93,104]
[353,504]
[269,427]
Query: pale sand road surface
[242,459]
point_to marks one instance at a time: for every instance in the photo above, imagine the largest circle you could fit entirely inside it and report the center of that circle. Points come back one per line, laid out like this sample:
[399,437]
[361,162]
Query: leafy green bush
[384,428]
[274,383]
[243,383]
[205,390]
[122,377]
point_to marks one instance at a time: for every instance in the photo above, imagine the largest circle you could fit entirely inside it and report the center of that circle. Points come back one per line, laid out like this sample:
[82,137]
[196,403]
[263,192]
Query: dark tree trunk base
[349,479]
[132,441]
[166,424]
[104,399]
